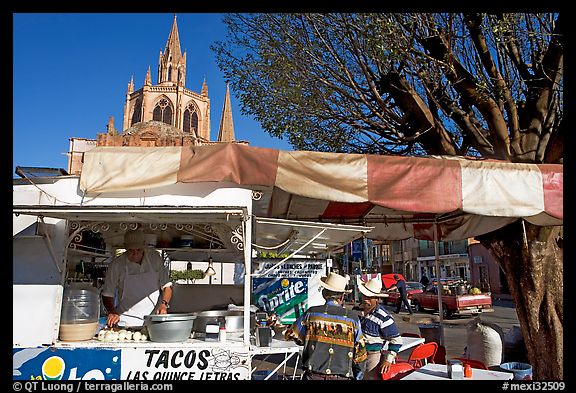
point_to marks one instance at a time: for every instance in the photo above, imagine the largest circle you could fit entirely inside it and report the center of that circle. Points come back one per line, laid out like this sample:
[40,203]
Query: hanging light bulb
[210,271]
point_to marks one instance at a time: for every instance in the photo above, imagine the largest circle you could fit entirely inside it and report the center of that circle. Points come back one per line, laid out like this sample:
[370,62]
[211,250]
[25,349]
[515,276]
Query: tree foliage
[448,84]
[195,274]
[272,255]
[487,85]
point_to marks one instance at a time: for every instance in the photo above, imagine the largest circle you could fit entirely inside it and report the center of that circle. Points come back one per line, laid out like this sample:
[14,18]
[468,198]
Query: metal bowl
[169,327]
[234,320]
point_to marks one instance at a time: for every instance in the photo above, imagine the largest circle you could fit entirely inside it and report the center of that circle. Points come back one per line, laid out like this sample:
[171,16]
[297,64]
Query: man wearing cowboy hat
[331,335]
[378,327]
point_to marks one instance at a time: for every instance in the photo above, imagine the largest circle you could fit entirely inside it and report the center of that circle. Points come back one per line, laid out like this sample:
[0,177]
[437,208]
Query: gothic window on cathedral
[190,120]
[137,112]
[163,112]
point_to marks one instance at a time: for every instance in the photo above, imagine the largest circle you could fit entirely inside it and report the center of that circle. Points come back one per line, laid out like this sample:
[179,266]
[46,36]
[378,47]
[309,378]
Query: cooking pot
[169,327]
[234,320]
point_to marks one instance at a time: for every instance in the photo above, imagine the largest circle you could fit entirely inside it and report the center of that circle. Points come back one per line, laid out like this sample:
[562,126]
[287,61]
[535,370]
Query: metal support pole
[439,287]
[366,253]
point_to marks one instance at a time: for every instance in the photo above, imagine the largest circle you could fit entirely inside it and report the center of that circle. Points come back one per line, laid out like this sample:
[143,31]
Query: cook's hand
[163,309]
[112,319]
[384,367]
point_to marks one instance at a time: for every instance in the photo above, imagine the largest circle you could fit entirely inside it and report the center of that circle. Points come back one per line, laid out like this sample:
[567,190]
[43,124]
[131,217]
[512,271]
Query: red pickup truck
[452,304]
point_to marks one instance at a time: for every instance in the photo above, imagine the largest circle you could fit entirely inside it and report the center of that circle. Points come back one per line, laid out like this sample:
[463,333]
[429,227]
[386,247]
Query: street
[504,315]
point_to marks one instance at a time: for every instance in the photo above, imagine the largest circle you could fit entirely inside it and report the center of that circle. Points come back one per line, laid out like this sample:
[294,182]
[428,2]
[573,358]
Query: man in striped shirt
[378,327]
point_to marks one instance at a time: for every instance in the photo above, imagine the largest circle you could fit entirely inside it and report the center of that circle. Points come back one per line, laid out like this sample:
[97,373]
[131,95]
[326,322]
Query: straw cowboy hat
[372,288]
[335,283]
[134,239]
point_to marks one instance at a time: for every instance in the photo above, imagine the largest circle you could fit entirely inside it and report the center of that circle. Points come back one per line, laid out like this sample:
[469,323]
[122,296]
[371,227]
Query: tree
[486,85]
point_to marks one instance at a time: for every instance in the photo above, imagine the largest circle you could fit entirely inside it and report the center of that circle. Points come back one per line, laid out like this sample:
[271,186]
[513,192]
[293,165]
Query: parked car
[412,287]
[455,301]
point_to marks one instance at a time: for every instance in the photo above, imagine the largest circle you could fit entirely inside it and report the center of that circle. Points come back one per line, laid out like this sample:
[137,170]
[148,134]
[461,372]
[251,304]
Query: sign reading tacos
[218,364]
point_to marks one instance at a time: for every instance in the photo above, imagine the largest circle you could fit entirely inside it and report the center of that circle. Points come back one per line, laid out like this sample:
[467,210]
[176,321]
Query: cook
[137,283]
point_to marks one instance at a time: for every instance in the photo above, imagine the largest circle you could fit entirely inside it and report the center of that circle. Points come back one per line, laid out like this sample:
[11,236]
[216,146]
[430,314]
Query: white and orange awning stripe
[346,187]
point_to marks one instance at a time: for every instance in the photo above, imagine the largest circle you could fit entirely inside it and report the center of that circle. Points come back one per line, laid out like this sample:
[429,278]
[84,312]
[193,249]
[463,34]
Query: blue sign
[65,363]
[357,249]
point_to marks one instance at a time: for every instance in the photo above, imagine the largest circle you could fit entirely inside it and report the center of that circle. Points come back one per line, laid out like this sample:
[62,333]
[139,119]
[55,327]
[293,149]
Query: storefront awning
[273,235]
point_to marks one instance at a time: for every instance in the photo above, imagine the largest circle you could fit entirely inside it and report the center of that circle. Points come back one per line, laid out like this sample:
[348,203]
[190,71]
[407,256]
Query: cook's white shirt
[117,272]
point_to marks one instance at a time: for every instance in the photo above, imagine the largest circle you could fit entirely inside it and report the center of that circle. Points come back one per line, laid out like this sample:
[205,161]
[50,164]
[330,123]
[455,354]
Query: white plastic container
[80,312]
[222,334]
[212,331]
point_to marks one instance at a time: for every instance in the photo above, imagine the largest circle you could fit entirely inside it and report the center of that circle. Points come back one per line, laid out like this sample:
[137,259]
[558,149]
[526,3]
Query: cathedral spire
[204,91]
[148,81]
[226,133]
[172,67]
[173,44]
[131,85]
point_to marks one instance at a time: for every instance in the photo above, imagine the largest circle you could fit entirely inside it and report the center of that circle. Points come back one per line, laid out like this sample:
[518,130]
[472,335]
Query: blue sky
[71,72]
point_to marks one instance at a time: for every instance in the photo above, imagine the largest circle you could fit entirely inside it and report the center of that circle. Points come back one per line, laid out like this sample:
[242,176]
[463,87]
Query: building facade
[453,257]
[413,258]
[485,273]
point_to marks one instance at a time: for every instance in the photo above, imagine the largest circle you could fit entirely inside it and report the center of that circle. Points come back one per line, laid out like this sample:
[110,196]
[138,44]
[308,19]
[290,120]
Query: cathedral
[161,114]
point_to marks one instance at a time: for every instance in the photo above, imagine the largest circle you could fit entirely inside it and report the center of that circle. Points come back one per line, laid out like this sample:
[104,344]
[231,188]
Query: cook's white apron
[142,291]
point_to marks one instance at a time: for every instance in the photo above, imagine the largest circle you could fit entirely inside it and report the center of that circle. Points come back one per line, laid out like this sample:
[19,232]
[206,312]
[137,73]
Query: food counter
[194,359]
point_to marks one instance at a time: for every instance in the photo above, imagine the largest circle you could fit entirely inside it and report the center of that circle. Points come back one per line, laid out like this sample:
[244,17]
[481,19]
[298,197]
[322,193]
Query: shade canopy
[401,197]
[288,236]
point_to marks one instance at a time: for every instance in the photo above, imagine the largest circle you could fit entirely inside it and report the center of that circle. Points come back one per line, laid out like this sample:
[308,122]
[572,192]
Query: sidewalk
[455,330]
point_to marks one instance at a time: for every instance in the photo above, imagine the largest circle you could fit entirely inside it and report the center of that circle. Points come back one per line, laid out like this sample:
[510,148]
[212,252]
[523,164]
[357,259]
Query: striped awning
[401,197]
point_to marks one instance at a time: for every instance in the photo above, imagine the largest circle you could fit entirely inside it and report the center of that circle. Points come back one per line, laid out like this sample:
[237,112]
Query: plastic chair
[440,356]
[403,356]
[397,371]
[473,363]
[423,354]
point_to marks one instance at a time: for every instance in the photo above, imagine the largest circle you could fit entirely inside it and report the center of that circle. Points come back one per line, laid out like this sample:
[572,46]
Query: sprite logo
[287,298]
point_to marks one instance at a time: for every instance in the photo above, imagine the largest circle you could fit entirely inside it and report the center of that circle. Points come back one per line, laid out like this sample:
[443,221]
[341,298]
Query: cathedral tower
[169,101]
